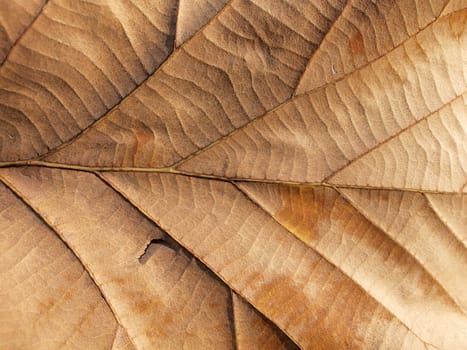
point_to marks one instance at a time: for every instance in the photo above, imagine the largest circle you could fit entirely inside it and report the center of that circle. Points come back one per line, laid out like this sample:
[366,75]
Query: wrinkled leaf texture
[243,174]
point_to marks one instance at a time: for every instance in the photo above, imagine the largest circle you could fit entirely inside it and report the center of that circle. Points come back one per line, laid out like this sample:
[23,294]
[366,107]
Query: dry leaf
[243,174]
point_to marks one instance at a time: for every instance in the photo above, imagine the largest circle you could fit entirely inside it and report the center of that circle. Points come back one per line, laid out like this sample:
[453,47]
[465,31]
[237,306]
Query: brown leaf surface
[47,298]
[192,15]
[363,122]
[16,16]
[243,174]
[164,300]
[244,62]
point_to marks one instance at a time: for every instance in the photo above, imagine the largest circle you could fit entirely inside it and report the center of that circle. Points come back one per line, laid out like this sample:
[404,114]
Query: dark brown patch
[356,45]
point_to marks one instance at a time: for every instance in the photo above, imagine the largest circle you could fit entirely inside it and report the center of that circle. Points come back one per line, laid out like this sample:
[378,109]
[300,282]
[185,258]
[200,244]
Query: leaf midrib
[179,48]
[170,170]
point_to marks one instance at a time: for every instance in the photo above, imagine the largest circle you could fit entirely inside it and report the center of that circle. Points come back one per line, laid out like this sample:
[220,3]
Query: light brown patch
[457,23]
[306,212]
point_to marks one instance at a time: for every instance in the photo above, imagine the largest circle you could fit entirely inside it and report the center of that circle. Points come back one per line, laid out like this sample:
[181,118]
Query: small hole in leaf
[154,244]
